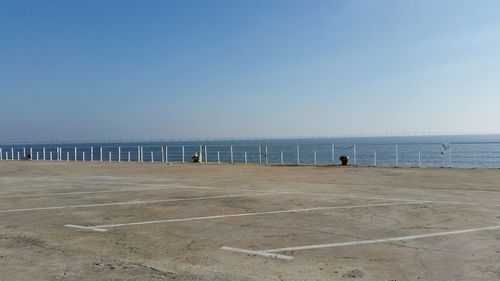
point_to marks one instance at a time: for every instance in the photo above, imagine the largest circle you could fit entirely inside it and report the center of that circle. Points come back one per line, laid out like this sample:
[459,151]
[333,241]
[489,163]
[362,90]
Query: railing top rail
[263,139]
[477,142]
[149,144]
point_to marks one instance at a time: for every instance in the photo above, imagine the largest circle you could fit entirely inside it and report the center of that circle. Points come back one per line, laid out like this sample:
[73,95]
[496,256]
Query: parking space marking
[306,193]
[102,191]
[167,187]
[128,183]
[260,253]
[105,226]
[356,243]
[136,202]
[397,199]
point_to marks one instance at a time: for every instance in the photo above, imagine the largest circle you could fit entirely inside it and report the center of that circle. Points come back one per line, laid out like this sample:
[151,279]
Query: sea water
[415,151]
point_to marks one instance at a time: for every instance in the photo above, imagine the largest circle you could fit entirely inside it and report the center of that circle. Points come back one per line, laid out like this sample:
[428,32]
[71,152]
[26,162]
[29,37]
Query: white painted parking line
[464,203]
[104,226]
[356,196]
[360,242]
[135,202]
[127,183]
[101,191]
[253,190]
[86,228]
[108,182]
[316,194]
[396,199]
[172,186]
[252,252]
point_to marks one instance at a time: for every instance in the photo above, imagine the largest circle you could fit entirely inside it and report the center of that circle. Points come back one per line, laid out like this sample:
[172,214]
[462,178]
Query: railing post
[206,155]
[183,159]
[375,158]
[76,154]
[449,157]
[91,154]
[266,156]
[355,156]
[18,155]
[142,153]
[100,153]
[43,156]
[298,155]
[109,156]
[128,156]
[67,156]
[31,153]
[166,154]
[37,154]
[315,157]
[1,154]
[218,157]
[201,154]
[138,154]
[246,159]
[397,155]
[12,154]
[162,154]
[24,152]
[333,154]
[419,160]
[50,153]
[282,157]
[83,156]
[260,155]
[232,160]
[119,154]
[152,157]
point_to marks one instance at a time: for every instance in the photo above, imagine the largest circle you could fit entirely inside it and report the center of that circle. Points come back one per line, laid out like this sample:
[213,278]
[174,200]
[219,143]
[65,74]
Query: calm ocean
[481,151]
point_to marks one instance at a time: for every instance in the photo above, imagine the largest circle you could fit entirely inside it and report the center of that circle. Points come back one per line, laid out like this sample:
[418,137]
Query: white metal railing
[481,155]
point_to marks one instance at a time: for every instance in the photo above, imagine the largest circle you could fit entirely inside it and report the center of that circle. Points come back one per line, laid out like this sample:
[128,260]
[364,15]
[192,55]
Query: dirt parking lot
[138,221]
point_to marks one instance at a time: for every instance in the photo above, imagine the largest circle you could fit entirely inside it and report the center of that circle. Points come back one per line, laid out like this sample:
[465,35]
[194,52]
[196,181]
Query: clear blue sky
[82,70]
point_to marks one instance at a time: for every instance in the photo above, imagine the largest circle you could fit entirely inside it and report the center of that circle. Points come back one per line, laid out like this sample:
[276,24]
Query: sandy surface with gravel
[169,222]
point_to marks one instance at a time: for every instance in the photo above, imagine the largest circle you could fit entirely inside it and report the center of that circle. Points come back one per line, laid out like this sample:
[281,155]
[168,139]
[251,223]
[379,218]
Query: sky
[128,70]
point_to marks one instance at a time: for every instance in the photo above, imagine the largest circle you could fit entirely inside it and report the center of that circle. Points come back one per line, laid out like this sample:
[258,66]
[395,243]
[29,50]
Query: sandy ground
[135,221]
